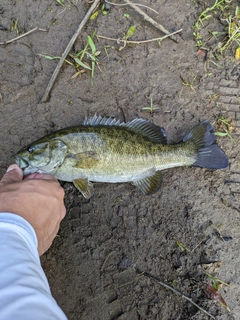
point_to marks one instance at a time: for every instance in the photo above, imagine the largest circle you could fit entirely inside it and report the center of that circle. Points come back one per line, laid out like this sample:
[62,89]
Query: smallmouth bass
[107,150]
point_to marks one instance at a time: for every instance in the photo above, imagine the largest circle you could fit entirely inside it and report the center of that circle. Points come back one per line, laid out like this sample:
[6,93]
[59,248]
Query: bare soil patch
[92,265]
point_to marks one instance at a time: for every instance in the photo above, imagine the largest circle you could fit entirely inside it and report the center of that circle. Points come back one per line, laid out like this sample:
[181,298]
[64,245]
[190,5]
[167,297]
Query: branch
[21,36]
[150,20]
[126,4]
[67,50]
[175,291]
[139,42]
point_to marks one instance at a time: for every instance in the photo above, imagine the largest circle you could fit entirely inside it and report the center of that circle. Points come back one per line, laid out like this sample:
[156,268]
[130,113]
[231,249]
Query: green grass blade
[82,64]
[92,45]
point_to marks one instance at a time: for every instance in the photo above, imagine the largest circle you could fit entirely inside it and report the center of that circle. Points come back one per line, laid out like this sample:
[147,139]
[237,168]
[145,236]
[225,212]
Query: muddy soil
[104,244]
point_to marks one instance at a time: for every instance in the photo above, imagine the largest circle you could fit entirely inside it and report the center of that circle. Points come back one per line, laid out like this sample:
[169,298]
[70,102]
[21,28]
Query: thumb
[13,174]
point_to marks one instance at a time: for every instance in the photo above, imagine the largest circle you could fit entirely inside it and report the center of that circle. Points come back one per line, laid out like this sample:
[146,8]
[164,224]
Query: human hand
[38,198]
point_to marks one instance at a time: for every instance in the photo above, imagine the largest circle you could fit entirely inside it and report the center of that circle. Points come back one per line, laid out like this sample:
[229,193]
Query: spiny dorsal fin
[142,126]
[150,184]
[98,120]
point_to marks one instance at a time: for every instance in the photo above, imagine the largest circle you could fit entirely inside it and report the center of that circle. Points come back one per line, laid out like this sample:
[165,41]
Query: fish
[104,149]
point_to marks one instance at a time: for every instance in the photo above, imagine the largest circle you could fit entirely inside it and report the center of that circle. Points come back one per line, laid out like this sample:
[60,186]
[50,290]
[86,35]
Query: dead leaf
[212,267]
[237,53]
[77,73]
[215,295]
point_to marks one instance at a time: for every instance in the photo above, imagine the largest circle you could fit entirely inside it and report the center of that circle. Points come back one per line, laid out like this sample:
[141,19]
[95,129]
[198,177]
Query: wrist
[14,221]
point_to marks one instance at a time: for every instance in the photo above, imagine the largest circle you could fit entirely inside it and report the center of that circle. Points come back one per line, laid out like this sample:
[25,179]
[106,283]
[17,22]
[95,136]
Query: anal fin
[150,184]
[84,186]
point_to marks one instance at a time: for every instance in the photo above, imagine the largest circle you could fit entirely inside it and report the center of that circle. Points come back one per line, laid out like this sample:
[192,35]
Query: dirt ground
[104,244]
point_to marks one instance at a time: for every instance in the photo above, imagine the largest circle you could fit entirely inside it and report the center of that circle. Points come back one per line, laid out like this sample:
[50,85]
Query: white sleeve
[24,289]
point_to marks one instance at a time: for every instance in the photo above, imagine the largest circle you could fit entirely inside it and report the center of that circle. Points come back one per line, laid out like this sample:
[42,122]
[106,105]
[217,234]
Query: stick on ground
[150,20]
[141,41]
[175,291]
[67,50]
[21,36]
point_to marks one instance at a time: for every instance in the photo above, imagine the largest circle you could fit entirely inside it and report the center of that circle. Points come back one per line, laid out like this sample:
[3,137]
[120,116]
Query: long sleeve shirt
[24,289]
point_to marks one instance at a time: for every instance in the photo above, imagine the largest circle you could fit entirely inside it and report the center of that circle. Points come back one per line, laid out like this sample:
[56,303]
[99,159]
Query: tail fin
[209,155]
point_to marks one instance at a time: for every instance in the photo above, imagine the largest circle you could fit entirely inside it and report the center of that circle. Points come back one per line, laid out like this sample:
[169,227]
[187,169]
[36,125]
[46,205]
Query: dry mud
[104,242]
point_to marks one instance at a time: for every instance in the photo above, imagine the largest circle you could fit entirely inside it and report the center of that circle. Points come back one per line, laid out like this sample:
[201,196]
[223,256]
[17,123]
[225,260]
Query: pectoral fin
[150,184]
[84,186]
[83,160]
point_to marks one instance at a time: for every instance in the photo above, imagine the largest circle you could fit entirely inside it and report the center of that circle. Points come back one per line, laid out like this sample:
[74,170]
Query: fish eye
[30,149]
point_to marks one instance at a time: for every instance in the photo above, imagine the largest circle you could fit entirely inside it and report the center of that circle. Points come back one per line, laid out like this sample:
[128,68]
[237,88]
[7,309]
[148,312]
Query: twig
[150,20]
[22,35]
[139,42]
[175,291]
[126,4]
[68,48]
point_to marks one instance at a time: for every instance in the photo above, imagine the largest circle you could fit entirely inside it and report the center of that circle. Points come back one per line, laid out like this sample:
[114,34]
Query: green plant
[207,13]
[190,82]
[181,246]
[96,13]
[81,58]
[226,128]
[85,54]
[213,97]
[225,39]
[14,26]
[60,2]
[233,31]
[150,108]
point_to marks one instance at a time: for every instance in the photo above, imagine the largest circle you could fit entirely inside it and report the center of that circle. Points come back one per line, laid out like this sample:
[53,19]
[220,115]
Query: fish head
[44,156]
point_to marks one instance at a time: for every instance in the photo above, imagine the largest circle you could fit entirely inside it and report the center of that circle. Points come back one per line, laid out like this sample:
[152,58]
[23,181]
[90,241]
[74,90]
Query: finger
[41,176]
[13,174]
[63,212]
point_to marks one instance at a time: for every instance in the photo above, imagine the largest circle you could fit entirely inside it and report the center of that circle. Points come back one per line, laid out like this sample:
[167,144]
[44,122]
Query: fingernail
[12,167]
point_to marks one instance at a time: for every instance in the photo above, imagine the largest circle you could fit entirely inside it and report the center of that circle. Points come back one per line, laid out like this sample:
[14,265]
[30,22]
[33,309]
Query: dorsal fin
[147,129]
[142,126]
[98,120]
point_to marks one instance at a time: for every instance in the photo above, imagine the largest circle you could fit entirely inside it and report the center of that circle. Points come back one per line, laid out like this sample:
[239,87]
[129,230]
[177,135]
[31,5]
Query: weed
[96,13]
[218,231]
[207,13]
[60,2]
[51,57]
[106,49]
[215,281]
[103,10]
[226,128]
[233,31]
[181,246]
[190,82]
[78,62]
[69,101]
[229,37]
[92,56]
[130,33]
[213,97]
[150,108]
[14,26]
